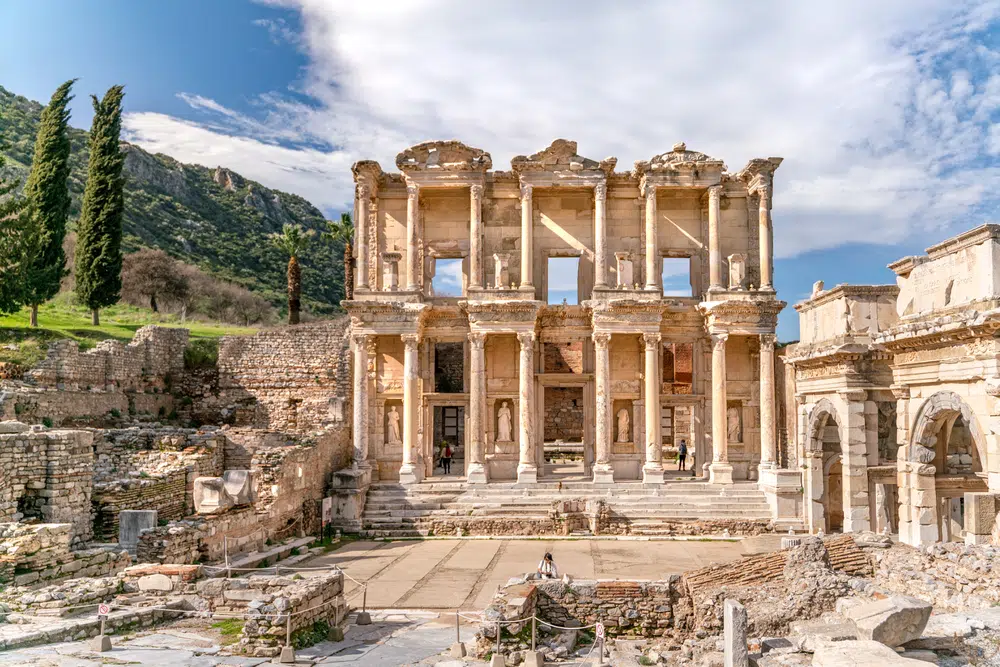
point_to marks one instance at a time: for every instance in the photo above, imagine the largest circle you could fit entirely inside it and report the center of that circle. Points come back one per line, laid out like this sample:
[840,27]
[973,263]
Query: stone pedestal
[652,474]
[130,524]
[720,473]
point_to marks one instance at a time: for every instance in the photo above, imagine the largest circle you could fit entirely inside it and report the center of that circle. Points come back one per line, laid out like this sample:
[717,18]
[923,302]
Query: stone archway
[824,468]
[946,440]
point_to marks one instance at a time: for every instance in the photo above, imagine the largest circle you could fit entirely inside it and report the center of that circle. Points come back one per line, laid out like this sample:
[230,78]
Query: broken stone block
[860,653]
[893,621]
[808,635]
[981,512]
[155,583]
[131,523]
[210,495]
[239,486]
[735,634]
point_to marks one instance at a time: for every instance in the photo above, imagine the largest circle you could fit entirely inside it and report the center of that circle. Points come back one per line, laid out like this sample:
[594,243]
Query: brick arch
[942,405]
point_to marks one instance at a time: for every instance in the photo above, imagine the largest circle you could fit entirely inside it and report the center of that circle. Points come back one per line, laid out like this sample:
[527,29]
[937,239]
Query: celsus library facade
[620,368]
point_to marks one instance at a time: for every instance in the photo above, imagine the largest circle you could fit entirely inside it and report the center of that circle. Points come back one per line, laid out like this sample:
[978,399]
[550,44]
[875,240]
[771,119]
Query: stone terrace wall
[32,554]
[47,475]
[291,379]
[143,364]
[627,608]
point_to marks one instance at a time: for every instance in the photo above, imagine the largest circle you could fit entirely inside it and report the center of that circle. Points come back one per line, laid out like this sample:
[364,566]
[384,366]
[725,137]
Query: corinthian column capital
[476,192]
[360,339]
[714,193]
[652,340]
[526,189]
[411,341]
[364,191]
[768,340]
[526,338]
[601,339]
[477,339]
[601,191]
[412,190]
[719,340]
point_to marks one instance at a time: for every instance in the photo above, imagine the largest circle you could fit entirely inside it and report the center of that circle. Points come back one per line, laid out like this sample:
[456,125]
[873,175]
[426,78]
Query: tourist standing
[446,455]
[547,568]
[682,453]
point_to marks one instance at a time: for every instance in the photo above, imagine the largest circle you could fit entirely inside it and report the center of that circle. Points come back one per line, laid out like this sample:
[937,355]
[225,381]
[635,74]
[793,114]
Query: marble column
[652,471]
[768,444]
[361,237]
[360,401]
[600,235]
[476,236]
[527,237]
[411,471]
[412,238]
[603,470]
[527,469]
[476,469]
[720,472]
[714,249]
[764,217]
[652,280]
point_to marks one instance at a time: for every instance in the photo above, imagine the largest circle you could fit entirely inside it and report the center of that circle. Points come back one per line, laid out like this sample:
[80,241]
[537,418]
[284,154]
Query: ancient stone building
[896,388]
[461,322]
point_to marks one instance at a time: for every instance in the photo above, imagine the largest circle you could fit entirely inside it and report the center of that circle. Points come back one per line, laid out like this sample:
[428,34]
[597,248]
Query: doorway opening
[449,433]
[449,368]
[833,476]
[563,432]
[563,281]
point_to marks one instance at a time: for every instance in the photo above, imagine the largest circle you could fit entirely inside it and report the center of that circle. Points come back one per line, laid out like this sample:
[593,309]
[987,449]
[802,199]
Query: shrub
[201,353]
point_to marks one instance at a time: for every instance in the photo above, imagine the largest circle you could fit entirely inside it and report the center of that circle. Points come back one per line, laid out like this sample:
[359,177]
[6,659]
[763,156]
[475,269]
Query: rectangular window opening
[448,278]
[676,276]
[563,280]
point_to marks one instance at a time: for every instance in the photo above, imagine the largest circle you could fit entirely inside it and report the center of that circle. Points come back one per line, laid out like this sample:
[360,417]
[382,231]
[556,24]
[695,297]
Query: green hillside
[213,218]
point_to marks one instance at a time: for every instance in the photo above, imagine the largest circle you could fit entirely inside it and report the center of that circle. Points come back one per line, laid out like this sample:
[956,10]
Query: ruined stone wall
[636,608]
[47,475]
[564,414]
[40,553]
[53,407]
[293,378]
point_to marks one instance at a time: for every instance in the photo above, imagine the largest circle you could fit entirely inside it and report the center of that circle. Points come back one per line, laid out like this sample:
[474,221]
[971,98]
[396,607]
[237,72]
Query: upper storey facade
[683,208]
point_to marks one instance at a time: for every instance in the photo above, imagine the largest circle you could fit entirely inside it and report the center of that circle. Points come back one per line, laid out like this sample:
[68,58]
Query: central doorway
[449,432]
[563,441]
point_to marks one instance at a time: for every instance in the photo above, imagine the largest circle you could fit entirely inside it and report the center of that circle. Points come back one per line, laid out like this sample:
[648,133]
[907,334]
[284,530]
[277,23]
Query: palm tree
[293,240]
[343,232]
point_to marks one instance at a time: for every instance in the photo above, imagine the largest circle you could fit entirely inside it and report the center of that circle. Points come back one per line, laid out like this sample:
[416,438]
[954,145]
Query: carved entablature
[679,167]
[932,332]
[502,316]
[758,173]
[742,316]
[563,162]
[627,316]
[572,317]
[368,172]
[443,156]
[386,317]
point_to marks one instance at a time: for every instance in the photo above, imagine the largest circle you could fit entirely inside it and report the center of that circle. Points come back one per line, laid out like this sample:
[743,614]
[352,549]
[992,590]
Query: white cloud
[876,106]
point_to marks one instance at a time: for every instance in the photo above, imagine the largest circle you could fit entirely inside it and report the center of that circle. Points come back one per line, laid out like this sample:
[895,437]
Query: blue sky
[886,113]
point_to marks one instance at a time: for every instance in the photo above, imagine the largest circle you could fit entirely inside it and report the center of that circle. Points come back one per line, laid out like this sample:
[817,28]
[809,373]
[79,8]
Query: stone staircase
[675,508]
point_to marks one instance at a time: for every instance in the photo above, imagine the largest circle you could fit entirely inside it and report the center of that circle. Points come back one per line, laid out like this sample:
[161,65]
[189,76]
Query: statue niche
[623,426]
[504,441]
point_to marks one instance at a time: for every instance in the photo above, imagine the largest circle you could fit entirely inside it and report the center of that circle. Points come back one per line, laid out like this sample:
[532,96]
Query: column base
[527,473]
[720,473]
[604,473]
[476,474]
[652,474]
[410,473]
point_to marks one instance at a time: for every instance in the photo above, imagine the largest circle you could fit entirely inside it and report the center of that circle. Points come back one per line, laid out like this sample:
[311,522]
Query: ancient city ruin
[131,474]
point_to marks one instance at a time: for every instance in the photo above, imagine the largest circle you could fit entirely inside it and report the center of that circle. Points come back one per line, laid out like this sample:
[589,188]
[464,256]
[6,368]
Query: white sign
[327,510]
[600,630]
[103,609]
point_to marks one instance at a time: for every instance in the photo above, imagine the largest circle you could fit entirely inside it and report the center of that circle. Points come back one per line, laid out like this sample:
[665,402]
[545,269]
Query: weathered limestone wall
[293,378]
[34,554]
[47,475]
[564,414]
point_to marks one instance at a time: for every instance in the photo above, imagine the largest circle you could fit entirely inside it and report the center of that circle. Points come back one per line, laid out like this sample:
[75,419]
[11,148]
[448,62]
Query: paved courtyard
[464,573]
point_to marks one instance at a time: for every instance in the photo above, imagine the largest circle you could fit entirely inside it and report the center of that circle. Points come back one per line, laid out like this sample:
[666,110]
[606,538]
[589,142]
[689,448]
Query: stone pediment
[760,169]
[443,156]
[368,172]
[679,158]
[561,156]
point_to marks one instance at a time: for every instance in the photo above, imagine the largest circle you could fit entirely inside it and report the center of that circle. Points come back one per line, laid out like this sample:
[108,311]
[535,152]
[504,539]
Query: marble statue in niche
[392,433]
[501,271]
[623,423]
[737,271]
[504,424]
[734,423]
[624,269]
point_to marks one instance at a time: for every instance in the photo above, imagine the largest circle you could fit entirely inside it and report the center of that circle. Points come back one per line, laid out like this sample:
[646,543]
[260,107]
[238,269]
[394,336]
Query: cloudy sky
[885,112]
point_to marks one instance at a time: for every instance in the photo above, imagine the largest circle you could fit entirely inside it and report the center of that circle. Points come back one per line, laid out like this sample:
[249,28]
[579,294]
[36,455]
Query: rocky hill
[215,219]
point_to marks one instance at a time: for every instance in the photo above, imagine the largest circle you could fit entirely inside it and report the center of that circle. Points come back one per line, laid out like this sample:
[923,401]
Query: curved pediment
[443,156]
[561,155]
[677,159]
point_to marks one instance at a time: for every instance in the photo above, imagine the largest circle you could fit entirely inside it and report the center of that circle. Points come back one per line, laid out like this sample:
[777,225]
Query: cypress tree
[18,242]
[48,191]
[99,232]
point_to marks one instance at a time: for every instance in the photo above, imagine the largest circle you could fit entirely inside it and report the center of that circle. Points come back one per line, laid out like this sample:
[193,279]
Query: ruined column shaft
[527,469]
[720,471]
[527,233]
[410,472]
[765,238]
[361,237]
[476,236]
[652,471]
[714,249]
[600,235]
[477,409]
[603,471]
[360,400]
[652,282]
[768,445]
[412,241]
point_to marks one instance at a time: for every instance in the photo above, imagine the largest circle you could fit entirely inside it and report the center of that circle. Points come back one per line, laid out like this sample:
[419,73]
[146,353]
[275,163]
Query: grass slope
[213,218]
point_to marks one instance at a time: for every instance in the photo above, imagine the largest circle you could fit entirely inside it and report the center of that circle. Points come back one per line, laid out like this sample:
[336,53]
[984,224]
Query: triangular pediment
[443,156]
[561,155]
[678,158]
